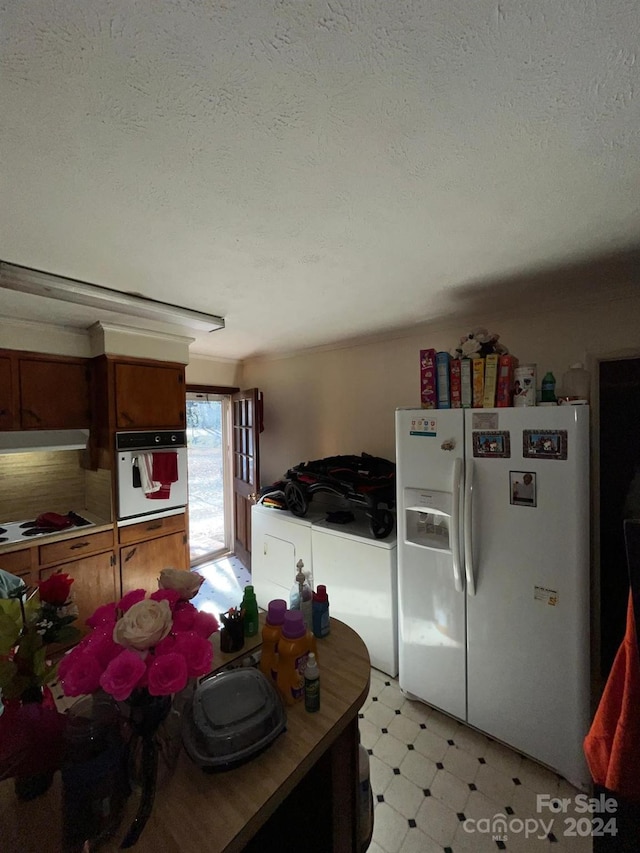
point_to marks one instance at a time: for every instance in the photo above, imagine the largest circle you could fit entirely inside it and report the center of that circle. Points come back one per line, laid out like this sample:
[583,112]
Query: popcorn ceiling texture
[313,171]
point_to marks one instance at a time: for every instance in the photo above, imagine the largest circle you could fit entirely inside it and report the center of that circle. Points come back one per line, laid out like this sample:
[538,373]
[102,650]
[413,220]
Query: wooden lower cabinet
[94,582]
[150,546]
[19,563]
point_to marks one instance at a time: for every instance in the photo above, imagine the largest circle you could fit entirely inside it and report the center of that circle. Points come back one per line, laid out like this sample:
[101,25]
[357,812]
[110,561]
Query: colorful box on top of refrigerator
[493,591]
[442,371]
[428,381]
[478,382]
[466,383]
[490,380]
[455,387]
[506,366]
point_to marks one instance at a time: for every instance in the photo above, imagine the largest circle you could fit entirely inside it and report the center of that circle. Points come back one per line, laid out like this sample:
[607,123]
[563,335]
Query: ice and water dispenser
[428,518]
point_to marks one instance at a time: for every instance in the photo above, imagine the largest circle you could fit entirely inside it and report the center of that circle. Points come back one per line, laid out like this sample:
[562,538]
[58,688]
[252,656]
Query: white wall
[343,400]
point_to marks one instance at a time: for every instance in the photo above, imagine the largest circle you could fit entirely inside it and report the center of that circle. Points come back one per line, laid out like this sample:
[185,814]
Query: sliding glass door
[210,502]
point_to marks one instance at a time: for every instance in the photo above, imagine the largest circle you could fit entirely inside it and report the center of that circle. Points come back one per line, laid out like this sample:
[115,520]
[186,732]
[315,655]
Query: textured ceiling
[314,171]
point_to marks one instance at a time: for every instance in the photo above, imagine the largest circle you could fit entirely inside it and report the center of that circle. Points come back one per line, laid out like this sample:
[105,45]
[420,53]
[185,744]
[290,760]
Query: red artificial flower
[55,589]
[167,674]
[122,674]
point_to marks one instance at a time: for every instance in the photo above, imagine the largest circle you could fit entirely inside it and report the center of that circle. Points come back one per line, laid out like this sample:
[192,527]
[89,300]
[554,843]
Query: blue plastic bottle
[321,623]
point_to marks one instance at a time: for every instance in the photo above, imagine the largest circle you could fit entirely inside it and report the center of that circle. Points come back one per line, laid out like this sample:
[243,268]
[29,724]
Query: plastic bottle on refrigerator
[576,382]
[250,607]
[271,635]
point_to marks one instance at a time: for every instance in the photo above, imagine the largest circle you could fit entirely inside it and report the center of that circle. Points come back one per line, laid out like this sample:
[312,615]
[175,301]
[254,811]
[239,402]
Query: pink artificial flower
[205,624]
[197,652]
[165,646]
[167,674]
[81,675]
[101,645]
[68,661]
[170,595]
[104,615]
[130,599]
[123,674]
[184,616]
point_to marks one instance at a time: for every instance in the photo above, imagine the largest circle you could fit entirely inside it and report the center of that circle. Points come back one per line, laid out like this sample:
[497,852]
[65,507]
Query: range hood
[43,440]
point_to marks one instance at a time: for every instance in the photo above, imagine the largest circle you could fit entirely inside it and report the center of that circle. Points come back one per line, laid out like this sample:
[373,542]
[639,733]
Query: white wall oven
[152,474]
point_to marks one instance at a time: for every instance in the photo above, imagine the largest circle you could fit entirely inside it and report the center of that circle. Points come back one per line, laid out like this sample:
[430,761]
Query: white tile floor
[438,785]
[223,587]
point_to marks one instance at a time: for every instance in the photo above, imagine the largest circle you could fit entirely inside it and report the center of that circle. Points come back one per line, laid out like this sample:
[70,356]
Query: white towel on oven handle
[145,465]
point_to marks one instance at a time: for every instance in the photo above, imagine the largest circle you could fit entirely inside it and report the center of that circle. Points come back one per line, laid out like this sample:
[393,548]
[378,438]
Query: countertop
[99,524]
[198,812]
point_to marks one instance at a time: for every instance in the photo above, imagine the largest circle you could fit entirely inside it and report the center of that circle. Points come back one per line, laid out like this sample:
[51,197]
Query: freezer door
[431,611]
[528,622]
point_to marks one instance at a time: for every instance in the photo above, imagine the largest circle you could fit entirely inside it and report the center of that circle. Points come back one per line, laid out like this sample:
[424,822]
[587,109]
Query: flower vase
[155,725]
[35,728]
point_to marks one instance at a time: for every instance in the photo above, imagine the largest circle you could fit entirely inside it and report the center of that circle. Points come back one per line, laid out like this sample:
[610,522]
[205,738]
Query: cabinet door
[54,394]
[149,396]
[8,407]
[18,563]
[94,583]
[140,564]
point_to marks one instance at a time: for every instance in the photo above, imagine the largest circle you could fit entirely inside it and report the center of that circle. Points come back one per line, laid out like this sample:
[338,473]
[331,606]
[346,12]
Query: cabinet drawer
[17,562]
[74,549]
[151,528]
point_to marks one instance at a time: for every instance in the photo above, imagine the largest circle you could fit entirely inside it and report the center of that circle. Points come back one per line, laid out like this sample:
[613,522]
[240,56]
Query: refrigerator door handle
[468,529]
[454,533]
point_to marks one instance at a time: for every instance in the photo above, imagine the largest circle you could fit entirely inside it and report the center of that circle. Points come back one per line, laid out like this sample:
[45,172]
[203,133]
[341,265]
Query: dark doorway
[619,494]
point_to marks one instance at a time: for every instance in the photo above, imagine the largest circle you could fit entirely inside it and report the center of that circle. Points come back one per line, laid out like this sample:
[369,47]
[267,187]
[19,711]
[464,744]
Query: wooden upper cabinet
[149,396]
[54,394]
[8,405]
[44,391]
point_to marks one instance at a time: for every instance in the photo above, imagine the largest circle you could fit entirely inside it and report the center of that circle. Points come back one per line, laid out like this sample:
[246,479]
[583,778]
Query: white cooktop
[23,531]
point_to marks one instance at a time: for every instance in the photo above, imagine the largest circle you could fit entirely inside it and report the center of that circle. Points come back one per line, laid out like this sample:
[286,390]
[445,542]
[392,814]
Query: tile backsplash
[32,483]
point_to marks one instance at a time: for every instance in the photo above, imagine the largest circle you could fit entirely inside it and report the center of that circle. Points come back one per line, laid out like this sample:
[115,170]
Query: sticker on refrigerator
[484,420]
[423,426]
[546,596]
[496,443]
[544,443]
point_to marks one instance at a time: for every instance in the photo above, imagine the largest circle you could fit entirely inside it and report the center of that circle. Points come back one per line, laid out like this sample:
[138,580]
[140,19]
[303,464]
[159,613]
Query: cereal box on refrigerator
[428,382]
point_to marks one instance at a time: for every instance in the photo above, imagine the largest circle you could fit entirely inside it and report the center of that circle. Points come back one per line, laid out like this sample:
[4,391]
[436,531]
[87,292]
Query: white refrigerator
[493,573]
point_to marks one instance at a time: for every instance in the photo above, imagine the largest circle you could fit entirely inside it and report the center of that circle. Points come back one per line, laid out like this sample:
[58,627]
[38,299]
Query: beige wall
[210,371]
[343,400]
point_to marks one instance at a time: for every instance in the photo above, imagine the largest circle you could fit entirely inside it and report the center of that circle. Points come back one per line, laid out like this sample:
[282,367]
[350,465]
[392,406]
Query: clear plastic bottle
[250,607]
[301,596]
[271,635]
[311,685]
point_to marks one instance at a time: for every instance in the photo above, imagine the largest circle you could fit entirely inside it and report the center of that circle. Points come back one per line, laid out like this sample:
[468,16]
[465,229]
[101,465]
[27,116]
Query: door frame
[229,523]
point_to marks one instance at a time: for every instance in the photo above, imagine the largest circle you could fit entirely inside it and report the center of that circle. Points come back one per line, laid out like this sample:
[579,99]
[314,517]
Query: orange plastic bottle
[271,634]
[293,651]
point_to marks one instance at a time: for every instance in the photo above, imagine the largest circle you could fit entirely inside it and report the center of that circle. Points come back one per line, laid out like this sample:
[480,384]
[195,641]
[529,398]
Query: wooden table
[301,793]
